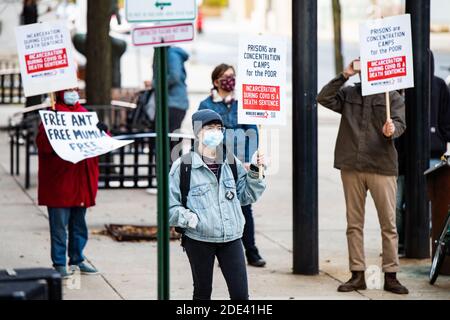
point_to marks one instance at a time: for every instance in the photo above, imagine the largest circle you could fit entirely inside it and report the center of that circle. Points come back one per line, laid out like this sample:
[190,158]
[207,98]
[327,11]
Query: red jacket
[62,184]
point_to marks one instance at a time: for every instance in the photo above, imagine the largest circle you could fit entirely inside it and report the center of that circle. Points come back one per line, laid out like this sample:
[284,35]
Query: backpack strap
[185,177]
[233,166]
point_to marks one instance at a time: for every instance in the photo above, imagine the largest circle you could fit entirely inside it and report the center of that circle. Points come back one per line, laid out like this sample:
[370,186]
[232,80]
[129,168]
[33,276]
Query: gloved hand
[258,161]
[102,127]
[193,221]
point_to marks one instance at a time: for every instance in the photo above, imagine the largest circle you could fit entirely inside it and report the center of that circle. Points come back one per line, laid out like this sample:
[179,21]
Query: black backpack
[185,180]
[138,119]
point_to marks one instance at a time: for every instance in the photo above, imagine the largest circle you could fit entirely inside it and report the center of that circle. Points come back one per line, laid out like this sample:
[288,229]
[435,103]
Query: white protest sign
[261,80]
[386,55]
[160,10]
[74,136]
[163,35]
[46,59]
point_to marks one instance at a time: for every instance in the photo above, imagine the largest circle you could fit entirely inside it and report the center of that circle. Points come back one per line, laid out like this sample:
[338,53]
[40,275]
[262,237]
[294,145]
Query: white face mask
[71,97]
[212,138]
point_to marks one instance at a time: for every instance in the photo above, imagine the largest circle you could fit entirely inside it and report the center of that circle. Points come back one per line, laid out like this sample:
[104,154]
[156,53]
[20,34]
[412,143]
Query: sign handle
[388,107]
[261,167]
[52,100]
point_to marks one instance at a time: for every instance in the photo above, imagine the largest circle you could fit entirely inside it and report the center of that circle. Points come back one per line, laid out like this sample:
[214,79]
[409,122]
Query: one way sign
[160,10]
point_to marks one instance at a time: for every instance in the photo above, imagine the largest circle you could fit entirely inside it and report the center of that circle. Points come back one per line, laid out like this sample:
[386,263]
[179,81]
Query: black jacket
[439,118]
[439,115]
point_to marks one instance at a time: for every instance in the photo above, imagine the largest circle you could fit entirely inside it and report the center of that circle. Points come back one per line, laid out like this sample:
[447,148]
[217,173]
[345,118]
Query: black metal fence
[133,166]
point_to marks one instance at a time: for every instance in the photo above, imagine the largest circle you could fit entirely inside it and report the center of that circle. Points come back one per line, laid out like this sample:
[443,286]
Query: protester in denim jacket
[213,218]
[241,138]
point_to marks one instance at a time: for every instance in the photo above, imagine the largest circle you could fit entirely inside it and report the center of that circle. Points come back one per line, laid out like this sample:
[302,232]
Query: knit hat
[203,117]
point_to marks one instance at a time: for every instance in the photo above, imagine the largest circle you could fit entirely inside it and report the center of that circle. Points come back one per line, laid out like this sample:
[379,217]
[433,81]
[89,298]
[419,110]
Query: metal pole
[162,167]
[304,137]
[417,222]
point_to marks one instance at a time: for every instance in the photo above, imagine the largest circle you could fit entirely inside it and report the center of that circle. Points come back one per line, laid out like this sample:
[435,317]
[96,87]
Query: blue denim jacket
[243,136]
[176,78]
[220,219]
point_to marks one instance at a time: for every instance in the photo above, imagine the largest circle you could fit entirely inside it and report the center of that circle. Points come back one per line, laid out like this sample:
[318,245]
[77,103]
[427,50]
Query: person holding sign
[366,155]
[241,138]
[207,188]
[67,189]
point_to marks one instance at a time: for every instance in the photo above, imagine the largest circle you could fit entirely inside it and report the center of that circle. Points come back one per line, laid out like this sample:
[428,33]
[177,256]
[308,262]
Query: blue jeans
[74,220]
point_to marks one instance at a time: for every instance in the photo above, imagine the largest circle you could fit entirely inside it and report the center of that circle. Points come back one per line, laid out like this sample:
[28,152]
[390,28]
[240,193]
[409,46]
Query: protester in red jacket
[67,190]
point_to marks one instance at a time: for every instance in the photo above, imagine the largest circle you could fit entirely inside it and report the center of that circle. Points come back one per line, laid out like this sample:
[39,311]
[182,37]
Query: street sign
[160,10]
[163,35]
[46,60]
[386,55]
[261,80]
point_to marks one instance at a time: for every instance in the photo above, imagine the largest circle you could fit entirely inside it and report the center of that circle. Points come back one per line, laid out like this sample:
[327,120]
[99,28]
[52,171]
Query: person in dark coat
[67,190]
[439,117]
[29,13]
[439,137]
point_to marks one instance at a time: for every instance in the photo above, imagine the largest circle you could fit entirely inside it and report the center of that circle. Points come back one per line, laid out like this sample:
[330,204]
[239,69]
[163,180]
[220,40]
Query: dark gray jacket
[360,144]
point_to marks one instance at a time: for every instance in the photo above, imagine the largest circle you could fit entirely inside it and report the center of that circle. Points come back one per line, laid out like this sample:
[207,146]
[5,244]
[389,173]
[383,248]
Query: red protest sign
[260,97]
[386,68]
[47,60]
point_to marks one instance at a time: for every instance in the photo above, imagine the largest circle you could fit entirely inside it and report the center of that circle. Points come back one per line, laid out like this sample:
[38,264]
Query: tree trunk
[338,58]
[98,53]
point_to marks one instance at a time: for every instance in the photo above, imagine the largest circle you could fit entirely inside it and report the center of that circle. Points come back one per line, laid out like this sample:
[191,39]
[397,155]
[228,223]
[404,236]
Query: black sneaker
[254,259]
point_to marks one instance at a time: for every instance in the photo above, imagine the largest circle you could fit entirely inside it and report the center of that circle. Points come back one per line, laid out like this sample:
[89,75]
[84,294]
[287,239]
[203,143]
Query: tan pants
[383,190]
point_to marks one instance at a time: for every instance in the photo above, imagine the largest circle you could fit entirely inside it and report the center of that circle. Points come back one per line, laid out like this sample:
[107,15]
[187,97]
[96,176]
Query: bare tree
[338,58]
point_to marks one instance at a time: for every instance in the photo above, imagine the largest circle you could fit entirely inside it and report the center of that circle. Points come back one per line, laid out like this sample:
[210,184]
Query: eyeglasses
[213,127]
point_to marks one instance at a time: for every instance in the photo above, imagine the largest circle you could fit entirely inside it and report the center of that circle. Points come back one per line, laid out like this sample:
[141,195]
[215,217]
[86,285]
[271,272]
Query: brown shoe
[356,282]
[391,284]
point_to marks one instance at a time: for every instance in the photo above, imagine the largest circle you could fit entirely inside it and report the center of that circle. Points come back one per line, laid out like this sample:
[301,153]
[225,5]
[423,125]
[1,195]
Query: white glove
[262,160]
[193,221]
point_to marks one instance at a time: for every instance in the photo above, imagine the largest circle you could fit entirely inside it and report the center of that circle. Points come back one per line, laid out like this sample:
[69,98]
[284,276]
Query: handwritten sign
[74,136]
[46,59]
[386,55]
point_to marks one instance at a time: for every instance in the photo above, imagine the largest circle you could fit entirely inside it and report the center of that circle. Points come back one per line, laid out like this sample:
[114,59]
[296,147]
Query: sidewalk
[129,270]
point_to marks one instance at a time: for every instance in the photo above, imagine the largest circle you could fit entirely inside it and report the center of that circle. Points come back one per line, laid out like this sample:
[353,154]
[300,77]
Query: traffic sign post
[162,174]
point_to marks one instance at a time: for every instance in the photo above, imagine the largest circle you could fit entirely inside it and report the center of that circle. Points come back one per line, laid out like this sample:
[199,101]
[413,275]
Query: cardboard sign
[386,55]
[158,36]
[46,60]
[74,136]
[160,10]
[261,80]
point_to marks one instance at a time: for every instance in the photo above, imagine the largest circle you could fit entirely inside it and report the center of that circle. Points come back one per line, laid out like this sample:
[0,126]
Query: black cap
[203,117]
